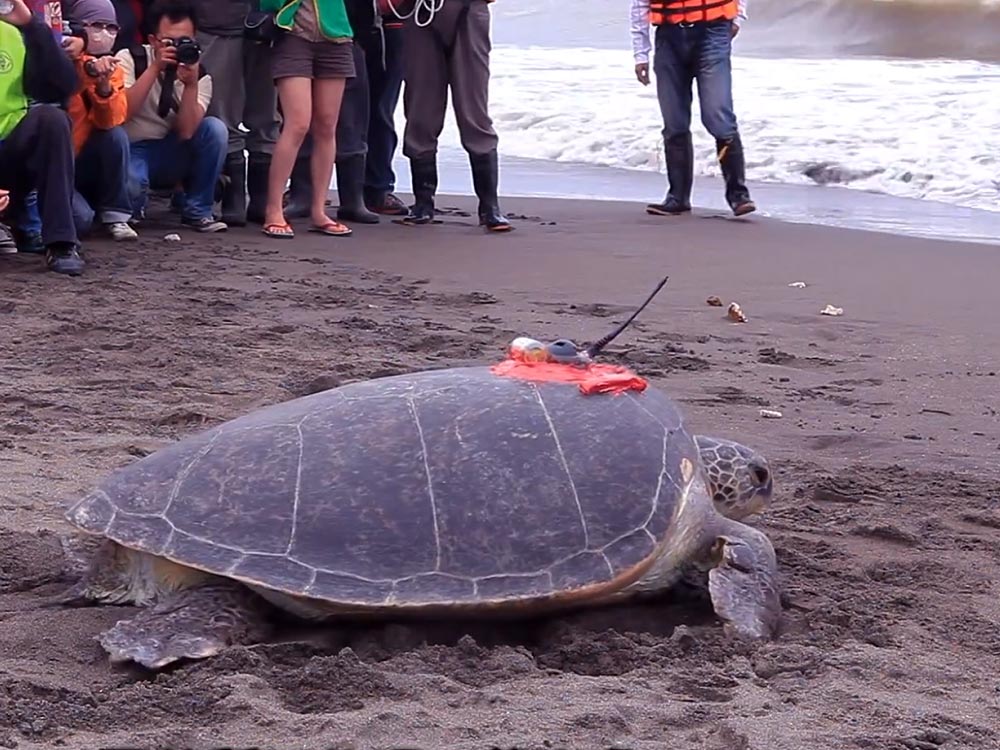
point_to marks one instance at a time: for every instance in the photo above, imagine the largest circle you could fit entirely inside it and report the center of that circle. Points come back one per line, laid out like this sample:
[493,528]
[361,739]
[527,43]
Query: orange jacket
[87,110]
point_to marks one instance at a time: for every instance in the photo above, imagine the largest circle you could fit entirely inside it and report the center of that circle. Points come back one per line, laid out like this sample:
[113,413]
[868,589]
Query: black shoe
[205,224]
[734,173]
[423,175]
[64,257]
[258,168]
[234,193]
[485,178]
[388,204]
[351,189]
[300,191]
[679,151]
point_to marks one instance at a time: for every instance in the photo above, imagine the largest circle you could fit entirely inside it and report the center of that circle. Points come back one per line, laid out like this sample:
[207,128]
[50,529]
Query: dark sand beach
[885,520]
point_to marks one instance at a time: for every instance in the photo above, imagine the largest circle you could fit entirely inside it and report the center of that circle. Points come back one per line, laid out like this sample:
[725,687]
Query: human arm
[741,16]
[639,30]
[49,75]
[195,98]
[106,90]
[137,90]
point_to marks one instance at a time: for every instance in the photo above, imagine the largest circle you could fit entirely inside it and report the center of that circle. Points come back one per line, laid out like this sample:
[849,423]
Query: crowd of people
[241,111]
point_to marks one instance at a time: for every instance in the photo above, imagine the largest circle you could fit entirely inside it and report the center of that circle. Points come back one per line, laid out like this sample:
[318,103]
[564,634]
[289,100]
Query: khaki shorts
[295,57]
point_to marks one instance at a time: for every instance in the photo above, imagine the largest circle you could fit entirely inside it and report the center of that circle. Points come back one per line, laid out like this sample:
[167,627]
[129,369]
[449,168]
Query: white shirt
[639,27]
[146,124]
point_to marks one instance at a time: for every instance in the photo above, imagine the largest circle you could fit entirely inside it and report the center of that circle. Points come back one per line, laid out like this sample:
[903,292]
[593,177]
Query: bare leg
[296,106]
[190,624]
[328,93]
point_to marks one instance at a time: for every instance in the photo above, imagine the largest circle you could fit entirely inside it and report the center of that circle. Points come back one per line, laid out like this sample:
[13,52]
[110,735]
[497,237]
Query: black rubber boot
[257,171]
[485,178]
[351,189]
[424,176]
[734,172]
[300,191]
[234,194]
[679,151]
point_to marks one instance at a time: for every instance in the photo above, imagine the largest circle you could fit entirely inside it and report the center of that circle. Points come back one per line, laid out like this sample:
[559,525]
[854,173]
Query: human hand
[188,74]
[102,68]
[20,14]
[642,73]
[73,46]
[166,56]
[4,200]
[735,31]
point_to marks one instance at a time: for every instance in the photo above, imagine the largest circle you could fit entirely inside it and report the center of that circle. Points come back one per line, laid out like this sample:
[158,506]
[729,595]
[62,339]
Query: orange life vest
[690,11]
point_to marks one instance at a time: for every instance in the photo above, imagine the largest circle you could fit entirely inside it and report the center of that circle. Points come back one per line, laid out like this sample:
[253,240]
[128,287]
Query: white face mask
[100,41]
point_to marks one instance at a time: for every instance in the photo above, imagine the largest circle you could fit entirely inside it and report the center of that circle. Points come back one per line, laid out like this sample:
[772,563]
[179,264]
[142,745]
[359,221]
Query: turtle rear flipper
[743,582]
[192,623]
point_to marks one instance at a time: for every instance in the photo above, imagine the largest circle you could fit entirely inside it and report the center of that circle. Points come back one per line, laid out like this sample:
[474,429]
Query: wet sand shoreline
[885,518]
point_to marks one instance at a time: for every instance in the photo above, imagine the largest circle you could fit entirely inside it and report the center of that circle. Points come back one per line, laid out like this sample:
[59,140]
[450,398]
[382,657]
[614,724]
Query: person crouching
[173,141]
[98,111]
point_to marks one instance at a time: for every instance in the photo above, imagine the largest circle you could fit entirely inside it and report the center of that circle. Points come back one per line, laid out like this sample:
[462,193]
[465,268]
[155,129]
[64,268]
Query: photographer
[36,147]
[173,141]
[98,110]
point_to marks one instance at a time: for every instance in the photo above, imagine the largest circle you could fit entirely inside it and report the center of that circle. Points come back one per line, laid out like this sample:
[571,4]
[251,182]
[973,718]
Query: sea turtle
[450,492]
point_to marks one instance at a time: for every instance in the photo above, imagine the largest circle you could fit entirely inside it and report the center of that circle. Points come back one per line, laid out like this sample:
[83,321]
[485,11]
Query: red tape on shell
[592,378]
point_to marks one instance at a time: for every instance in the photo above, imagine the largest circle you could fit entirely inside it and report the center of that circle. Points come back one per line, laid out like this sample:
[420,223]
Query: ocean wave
[917,29]
[910,129]
[913,29]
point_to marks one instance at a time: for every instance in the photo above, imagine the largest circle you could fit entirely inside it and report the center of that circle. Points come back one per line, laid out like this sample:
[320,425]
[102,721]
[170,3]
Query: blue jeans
[195,163]
[700,52]
[102,176]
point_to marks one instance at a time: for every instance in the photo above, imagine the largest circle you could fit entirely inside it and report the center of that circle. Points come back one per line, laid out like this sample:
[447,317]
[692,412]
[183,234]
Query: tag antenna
[594,349]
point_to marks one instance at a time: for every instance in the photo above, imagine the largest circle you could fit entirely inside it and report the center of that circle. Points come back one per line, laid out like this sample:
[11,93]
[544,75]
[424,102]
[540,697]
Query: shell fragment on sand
[831,310]
[770,414]
[172,237]
[714,301]
[736,313]
[798,285]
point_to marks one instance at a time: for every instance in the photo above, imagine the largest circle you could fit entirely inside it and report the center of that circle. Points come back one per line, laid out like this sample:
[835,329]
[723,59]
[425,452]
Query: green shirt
[13,100]
[332,16]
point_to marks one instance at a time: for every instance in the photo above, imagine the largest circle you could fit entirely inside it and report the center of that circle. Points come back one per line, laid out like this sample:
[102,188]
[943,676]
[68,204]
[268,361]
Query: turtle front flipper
[191,623]
[743,580]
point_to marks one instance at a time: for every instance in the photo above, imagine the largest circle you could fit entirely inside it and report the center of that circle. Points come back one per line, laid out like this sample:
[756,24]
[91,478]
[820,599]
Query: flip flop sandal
[281,231]
[332,228]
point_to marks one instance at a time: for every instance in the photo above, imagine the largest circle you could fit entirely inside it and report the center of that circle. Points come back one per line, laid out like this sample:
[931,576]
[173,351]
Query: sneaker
[120,231]
[64,258]
[205,224]
[8,246]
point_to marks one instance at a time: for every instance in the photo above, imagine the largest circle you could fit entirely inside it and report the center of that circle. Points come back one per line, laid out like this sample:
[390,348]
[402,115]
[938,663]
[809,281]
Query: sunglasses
[112,28]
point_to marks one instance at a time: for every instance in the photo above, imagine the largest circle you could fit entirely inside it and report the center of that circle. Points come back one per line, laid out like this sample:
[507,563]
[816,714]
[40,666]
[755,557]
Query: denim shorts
[295,57]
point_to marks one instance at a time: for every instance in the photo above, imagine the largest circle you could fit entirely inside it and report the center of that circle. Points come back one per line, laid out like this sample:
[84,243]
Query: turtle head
[739,478]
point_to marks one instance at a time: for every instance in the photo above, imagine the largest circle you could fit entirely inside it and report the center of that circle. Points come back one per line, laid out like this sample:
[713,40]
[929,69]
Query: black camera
[188,50]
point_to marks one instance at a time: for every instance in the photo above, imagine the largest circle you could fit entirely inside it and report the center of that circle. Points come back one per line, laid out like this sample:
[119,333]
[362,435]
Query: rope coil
[430,6]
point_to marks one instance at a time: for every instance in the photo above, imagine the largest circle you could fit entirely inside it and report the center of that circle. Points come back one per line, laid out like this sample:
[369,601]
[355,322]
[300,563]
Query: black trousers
[38,155]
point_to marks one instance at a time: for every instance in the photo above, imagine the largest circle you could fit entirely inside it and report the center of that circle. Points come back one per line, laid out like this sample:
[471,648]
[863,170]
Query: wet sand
[885,520]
